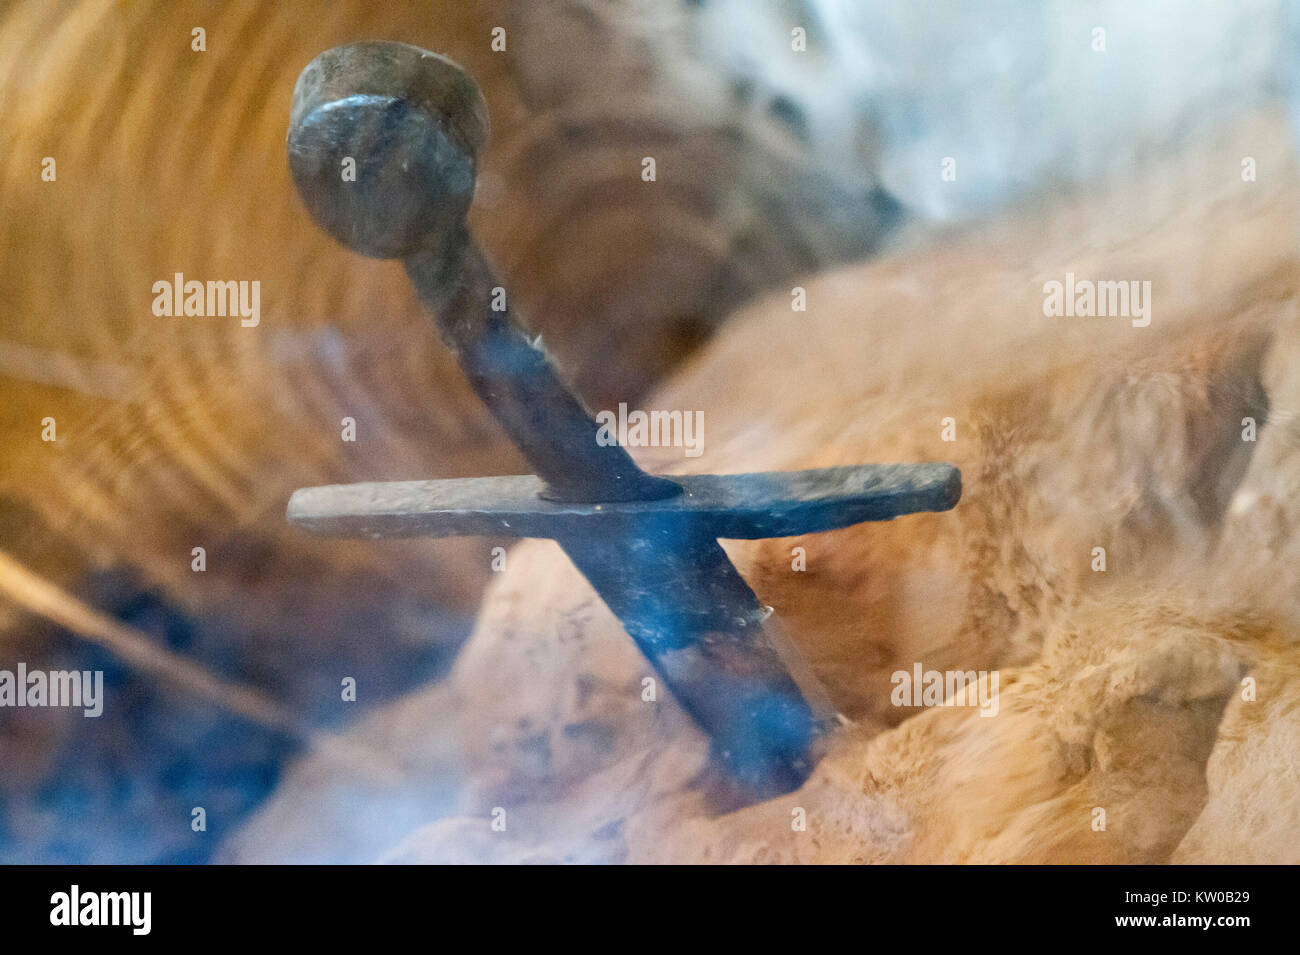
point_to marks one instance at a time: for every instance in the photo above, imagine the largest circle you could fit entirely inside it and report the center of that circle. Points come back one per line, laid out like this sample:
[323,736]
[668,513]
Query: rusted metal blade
[658,566]
[701,627]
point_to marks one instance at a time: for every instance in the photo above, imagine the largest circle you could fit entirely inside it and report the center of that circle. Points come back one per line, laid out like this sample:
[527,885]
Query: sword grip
[416,120]
[516,380]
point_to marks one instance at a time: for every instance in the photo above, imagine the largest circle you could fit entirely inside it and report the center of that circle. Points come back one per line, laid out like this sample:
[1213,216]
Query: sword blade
[701,627]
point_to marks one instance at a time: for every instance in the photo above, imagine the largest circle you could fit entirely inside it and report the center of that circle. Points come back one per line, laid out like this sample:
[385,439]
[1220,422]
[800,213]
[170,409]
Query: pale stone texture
[1119,690]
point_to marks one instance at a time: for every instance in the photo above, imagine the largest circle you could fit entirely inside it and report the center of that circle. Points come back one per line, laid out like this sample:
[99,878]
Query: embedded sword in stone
[412,122]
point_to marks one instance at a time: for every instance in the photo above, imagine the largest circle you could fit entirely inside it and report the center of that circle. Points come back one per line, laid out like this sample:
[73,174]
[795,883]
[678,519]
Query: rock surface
[1145,713]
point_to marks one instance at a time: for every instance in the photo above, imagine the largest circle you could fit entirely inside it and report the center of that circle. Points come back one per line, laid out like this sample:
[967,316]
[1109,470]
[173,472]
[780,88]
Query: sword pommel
[383,142]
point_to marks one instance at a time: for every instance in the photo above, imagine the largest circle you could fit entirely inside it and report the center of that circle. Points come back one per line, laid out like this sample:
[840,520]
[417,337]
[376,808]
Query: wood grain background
[183,432]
